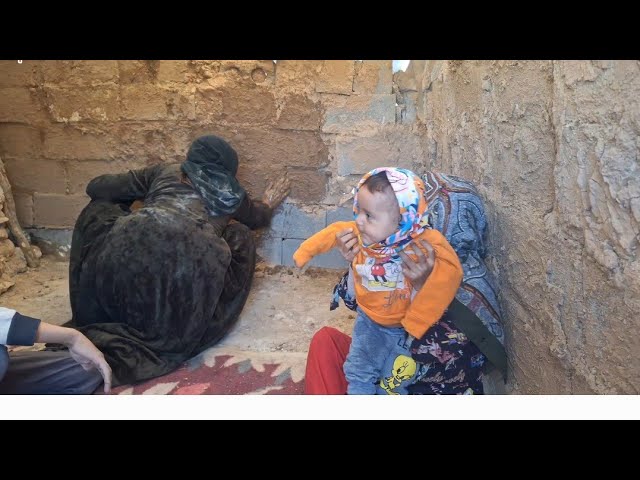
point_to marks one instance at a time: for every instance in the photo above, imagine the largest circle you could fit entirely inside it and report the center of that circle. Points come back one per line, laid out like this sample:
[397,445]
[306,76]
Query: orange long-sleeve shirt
[383,292]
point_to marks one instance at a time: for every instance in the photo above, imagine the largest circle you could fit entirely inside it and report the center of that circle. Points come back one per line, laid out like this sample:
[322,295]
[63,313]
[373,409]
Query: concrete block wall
[553,148]
[292,224]
[324,123]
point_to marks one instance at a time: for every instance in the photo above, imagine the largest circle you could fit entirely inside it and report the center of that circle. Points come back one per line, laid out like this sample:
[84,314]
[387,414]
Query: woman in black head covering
[153,287]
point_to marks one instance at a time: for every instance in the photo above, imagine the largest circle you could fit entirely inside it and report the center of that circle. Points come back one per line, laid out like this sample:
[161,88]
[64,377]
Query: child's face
[379,215]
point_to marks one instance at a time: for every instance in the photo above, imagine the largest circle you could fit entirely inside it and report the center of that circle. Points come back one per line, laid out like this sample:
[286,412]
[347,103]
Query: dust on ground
[284,309]
[41,292]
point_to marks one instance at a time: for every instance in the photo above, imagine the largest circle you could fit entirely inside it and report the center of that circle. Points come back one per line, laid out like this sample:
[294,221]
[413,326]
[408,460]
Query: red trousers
[327,352]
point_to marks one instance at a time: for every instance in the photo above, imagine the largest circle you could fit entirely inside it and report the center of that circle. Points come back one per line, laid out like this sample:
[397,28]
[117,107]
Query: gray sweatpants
[45,372]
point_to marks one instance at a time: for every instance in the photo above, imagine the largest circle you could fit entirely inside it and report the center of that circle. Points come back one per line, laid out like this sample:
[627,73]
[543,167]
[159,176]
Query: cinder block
[208,104]
[299,113]
[52,241]
[19,141]
[24,208]
[81,173]
[80,72]
[14,74]
[64,142]
[58,211]
[138,71]
[292,222]
[150,102]
[241,104]
[336,76]
[409,113]
[270,249]
[17,104]
[79,104]
[174,71]
[373,77]
[307,185]
[35,175]
[332,259]
[297,74]
[340,214]
[359,155]
[348,114]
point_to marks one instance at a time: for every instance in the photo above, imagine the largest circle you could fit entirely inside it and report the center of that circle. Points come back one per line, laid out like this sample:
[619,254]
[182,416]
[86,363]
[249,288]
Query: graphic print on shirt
[381,274]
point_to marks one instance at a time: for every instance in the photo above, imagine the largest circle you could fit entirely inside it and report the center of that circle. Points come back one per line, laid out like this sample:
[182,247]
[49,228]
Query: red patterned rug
[229,371]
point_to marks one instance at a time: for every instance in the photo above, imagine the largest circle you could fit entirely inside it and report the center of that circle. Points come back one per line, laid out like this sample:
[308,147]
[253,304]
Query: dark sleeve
[253,213]
[23,330]
[123,187]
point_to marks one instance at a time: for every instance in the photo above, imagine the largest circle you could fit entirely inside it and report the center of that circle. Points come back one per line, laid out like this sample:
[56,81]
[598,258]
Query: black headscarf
[211,166]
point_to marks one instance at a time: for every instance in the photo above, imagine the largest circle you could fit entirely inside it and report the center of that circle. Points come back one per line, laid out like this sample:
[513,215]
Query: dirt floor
[283,311]
[41,292]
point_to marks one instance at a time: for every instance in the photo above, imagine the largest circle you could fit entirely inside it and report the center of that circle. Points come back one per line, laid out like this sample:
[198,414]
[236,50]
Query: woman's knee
[328,337]
[241,243]
[238,235]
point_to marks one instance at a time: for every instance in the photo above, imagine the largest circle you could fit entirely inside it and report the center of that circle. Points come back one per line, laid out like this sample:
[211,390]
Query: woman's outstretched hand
[276,192]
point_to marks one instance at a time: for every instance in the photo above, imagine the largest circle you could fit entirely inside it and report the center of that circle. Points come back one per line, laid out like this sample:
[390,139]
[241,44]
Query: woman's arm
[123,187]
[258,213]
